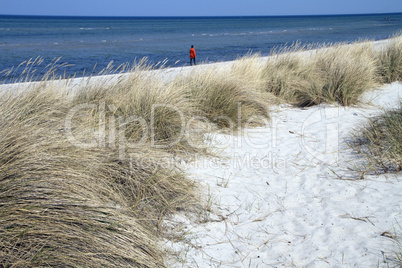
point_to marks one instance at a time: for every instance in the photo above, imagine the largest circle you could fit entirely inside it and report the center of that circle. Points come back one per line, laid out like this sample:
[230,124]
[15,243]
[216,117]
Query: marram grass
[390,60]
[332,74]
[149,110]
[220,97]
[68,206]
[380,141]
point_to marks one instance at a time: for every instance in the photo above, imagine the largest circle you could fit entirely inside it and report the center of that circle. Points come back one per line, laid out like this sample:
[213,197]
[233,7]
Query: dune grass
[347,71]
[248,71]
[33,70]
[65,205]
[332,74]
[380,141]
[96,193]
[398,241]
[398,255]
[287,74]
[390,60]
[221,98]
[150,111]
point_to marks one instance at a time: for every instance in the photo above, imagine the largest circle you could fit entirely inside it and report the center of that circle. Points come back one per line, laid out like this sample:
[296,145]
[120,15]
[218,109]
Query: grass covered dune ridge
[63,205]
[87,176]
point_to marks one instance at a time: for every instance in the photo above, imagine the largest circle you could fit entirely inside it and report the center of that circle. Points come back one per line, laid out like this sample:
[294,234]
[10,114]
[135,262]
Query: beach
[288,193]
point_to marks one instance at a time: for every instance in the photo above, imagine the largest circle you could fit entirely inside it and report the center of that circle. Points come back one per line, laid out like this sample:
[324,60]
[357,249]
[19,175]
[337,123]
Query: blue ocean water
[90,43]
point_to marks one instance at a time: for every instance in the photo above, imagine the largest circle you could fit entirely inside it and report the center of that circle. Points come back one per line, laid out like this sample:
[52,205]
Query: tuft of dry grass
[332,74]
[289,75]
[222,98]
[398,255]
[380,141]
[390,60]
[248,71]
[347,72]
[148,110]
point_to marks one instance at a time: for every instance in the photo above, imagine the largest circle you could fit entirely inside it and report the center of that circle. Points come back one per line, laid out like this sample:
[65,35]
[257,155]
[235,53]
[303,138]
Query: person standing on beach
[192,55]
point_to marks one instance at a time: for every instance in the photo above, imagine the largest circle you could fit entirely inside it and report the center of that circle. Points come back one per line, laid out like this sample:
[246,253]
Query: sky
[196,8]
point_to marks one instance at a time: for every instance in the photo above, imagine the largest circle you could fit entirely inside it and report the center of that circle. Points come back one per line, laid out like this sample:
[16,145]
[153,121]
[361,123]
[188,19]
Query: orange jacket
[192,53]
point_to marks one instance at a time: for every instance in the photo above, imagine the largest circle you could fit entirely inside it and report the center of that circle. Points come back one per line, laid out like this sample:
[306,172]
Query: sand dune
[284,195]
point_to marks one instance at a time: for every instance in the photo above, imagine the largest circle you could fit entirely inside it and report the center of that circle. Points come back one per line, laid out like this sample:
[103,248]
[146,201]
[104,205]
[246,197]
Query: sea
[83,46]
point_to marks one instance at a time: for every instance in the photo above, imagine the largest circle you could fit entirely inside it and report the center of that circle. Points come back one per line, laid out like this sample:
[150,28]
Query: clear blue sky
[196,8]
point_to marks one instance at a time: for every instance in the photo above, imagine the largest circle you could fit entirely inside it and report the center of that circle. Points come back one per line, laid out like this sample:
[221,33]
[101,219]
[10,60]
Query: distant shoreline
[166,74]
[198,17]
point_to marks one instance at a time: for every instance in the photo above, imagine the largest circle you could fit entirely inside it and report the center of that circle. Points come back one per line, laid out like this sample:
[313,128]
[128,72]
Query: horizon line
[198,16]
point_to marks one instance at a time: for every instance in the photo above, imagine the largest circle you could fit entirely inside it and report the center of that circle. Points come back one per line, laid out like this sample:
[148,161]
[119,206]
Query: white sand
[278,203]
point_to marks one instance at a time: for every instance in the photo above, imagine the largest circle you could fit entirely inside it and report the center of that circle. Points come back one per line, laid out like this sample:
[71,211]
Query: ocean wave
[242,33]
[269,32]
[319,29]
[94,28]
